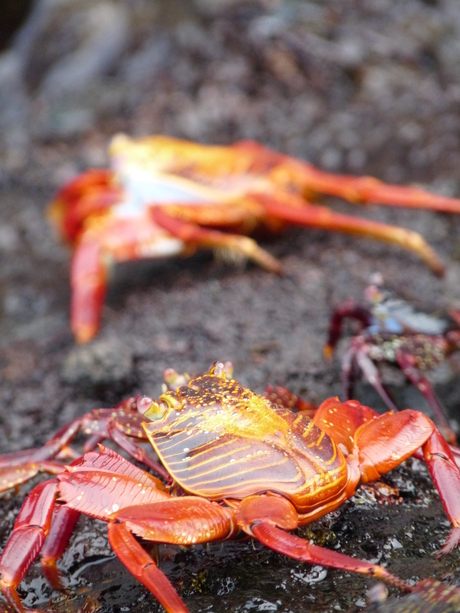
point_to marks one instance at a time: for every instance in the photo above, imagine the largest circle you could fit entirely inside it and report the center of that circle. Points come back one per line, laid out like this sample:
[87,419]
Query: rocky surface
[363,88]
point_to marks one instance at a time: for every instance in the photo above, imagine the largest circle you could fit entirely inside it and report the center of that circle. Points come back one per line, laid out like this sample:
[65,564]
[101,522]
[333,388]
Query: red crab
[392,330]
[122,424]
[240,464]
[165,197]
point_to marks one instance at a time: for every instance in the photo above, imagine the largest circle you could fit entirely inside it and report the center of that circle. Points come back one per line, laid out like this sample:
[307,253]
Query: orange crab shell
[206,447]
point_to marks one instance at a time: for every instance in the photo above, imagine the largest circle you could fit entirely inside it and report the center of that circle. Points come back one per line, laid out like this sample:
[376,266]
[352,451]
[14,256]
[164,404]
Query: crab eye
[143,404]
[151,409]
[174,380]
[221,369]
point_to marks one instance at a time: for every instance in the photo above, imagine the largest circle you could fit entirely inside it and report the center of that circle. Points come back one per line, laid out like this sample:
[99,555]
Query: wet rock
[80,41]
[429,596]
[15,112]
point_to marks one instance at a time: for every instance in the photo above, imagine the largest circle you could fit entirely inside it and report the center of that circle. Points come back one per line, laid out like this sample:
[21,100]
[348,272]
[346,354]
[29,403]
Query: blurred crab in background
[165,197]
[392,330]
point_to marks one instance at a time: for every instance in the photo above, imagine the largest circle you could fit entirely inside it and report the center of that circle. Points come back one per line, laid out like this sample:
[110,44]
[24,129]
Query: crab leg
[62,525]
[88,281]
[370,372]
[267,517]
[229,212]
[191,233]
[368,189]
[299,549]
[94,191]
[119,240]
[444,472]
[355,354]
[20,466]
[180,521]
[358,354]
[142,566]
[122,425]
[134,450]
[350,309]
[40,527]
[29,533]
[295,210]
[377,444]
[47,452]
[407,364]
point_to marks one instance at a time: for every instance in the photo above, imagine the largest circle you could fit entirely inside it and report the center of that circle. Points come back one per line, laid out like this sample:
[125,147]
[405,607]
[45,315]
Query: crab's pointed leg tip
[83,334]
[452,542]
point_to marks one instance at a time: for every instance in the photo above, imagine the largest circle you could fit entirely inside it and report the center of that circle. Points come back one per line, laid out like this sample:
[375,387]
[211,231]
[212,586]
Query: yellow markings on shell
[212,408]
[317,442]
[249,416]
[298,419]
[333,456]
[244,472]
[307,430]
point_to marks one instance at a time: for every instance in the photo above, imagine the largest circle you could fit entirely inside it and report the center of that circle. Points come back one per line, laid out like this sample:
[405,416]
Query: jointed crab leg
[321,217]
[191,234]
[300,549]
[406,362]
[30,530]
[370,371]
[62,525]
[117,240]
[93,193]
[360,190]
[20,466]
[145,570]
[378,439]
[285,208]
[308,180]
